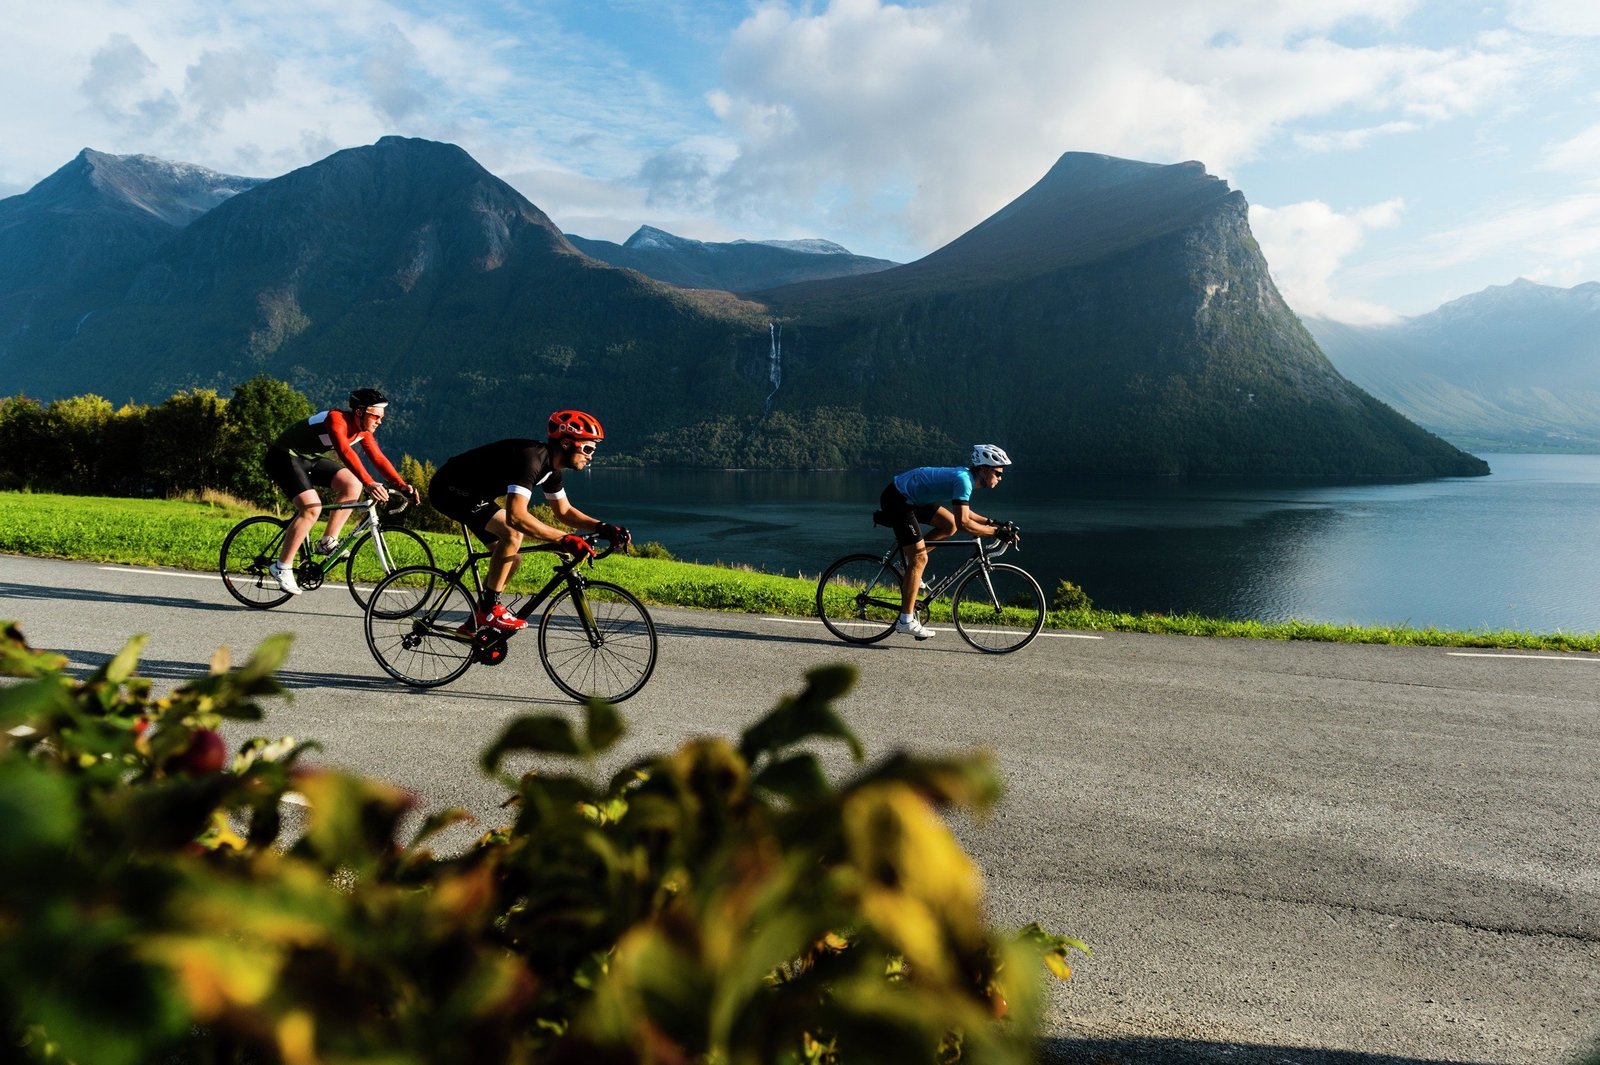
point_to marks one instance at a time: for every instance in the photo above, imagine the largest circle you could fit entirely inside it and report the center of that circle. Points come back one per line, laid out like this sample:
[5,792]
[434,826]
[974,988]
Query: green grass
[187,535]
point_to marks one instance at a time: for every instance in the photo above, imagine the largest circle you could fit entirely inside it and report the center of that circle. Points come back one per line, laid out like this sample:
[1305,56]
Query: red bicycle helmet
[575,425]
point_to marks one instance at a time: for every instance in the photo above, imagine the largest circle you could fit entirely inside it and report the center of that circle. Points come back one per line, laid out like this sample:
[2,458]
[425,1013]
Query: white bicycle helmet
[989,455]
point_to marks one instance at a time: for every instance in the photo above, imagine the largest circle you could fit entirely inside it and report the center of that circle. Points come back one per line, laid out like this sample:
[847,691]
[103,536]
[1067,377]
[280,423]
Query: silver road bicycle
[996,607]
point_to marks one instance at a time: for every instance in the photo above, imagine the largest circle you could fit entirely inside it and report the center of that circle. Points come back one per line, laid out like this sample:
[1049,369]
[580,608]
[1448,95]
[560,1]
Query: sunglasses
[998,471]
[588,447]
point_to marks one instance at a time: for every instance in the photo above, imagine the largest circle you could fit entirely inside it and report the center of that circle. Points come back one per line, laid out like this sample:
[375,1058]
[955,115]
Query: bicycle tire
[419,626]
[248,549]
[999,615]
[364,568]
[858,598]
[619,665]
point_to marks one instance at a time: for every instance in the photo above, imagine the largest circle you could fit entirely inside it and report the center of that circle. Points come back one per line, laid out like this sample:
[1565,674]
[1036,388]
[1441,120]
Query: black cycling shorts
[295,474]
[469,508]
[906,520]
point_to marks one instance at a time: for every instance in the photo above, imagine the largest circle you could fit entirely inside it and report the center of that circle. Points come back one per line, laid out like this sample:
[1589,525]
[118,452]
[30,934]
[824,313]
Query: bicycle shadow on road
[1161,1050]
[801,635]
[80,664]
[95,595]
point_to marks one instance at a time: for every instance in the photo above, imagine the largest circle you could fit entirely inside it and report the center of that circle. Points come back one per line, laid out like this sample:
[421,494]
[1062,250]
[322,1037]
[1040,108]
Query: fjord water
[1514,550]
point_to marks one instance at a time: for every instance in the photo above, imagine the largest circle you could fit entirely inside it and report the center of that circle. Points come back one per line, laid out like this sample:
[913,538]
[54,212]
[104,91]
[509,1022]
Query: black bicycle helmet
[367,397]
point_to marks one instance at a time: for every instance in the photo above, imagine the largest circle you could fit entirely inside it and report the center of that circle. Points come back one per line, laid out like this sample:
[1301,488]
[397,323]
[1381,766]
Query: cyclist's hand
[411,490]
[378,492]
[615,535]
[575,545]
[1008,533]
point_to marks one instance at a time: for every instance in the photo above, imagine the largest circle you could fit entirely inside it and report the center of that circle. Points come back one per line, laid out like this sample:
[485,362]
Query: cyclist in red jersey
[302,459]
[468,486]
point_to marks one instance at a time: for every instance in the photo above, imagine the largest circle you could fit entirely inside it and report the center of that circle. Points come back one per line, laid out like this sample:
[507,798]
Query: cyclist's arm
[970,521]
[385,467]
[520,518]
[571,516]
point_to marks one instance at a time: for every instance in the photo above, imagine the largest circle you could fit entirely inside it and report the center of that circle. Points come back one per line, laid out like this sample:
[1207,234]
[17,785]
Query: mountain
[407,265]
[735,266]
[95,216]
[1117,317]
[1511,367]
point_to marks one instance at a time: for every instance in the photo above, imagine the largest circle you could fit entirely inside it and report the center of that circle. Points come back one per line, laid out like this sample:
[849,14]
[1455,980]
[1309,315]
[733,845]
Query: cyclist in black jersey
[467,486]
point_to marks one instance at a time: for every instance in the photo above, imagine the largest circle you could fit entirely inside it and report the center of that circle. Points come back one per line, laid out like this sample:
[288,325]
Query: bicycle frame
[566,572]
[981,558]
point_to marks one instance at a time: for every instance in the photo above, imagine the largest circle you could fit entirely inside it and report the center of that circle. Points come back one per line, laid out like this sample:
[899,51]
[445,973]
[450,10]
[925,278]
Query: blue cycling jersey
[935,485]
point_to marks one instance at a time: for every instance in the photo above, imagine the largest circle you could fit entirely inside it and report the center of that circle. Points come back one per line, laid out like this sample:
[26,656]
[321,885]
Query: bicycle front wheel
[858,598]
[420,626]
[597,642]
[998,611]
[380,554]
[249,548]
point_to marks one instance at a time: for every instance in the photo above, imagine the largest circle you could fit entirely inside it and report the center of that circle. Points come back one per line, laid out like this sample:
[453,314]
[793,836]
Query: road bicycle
[370,552]
[596,640]
[996,607]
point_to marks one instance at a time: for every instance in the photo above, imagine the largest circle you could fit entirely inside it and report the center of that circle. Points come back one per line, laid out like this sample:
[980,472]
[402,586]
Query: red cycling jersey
[327,432]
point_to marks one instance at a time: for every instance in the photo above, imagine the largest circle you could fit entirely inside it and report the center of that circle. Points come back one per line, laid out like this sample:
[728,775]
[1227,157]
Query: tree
[261,408]
[186,445]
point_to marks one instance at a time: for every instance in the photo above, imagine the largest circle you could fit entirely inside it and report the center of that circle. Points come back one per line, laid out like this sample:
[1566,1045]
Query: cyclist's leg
[904,520]
[346,488]
[292,475]
[487,520]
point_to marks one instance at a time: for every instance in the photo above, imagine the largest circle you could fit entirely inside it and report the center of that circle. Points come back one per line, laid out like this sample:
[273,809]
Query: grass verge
[187,535]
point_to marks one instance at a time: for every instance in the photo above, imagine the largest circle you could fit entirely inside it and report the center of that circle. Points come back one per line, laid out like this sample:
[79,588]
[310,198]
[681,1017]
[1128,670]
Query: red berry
[207,753]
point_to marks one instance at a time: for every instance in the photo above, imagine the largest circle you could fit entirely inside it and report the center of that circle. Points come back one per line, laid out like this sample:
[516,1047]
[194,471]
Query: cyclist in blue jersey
[940,496]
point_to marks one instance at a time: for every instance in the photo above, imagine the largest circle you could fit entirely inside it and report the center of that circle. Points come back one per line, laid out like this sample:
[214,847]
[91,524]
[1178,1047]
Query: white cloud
[968,102]
[1306,244]
[1578,154]
[1344,140]
[1566,18]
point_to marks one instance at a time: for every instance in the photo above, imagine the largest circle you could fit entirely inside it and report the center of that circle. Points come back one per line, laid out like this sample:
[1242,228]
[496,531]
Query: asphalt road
[1279,852]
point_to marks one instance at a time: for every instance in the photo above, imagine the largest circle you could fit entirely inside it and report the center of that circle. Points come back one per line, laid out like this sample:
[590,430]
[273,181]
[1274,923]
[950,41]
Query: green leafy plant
[1069,596]
[723,902]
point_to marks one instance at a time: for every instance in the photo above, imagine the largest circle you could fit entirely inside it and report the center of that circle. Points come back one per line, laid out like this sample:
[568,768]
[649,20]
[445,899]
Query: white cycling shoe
[284,575]
[913,627]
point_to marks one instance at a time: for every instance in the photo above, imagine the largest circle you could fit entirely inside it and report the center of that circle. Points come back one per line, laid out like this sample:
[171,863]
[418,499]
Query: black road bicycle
[595,639]
[996,607]
[370,552]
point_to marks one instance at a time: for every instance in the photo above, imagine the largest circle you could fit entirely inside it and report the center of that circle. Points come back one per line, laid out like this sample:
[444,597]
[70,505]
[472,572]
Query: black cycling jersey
[505,466]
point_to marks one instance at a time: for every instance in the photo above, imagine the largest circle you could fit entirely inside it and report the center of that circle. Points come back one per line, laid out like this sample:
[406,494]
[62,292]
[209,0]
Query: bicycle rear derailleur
[489,647]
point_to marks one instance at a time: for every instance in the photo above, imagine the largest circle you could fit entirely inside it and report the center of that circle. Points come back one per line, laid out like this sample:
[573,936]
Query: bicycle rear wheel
[999,612]
[419,626]
[366,566]
[597,642]
[249,548]
[858,597]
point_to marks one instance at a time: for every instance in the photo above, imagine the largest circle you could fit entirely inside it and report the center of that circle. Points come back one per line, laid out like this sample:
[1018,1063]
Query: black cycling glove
[615,534]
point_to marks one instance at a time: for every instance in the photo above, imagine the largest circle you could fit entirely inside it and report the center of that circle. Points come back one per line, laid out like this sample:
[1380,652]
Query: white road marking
[162,573]
[1052,635]
[1539,658]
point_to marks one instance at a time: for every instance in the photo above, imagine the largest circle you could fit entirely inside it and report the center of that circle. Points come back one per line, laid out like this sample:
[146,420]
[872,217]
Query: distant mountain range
[1512,367]
[734,266]
[1117,317]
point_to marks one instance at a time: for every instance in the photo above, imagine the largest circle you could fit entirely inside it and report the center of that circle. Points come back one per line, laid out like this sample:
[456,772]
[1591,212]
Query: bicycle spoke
[602,646]
[419,626]
[1000,610]
[378,554]
[858,598]
[250,547]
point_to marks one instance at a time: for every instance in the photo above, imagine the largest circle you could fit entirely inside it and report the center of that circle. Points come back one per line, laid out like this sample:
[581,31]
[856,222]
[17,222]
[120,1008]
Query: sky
[1396,154]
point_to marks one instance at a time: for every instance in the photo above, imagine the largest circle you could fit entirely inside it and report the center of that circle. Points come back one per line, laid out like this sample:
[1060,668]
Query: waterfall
[775,371]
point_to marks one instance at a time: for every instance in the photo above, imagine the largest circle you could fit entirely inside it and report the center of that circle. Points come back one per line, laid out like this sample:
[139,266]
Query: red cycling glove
[575,545]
